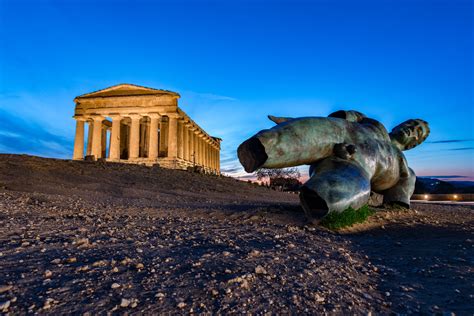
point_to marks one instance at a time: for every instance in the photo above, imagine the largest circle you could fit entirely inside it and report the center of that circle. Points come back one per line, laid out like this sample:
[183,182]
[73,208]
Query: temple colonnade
[154,134]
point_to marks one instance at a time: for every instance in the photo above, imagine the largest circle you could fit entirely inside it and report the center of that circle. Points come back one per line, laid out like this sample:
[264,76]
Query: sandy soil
[81,237]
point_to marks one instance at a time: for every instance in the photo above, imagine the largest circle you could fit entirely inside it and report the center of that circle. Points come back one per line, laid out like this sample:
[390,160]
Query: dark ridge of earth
[79,237]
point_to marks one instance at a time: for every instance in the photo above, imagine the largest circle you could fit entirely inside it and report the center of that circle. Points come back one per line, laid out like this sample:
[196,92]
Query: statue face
[410,133]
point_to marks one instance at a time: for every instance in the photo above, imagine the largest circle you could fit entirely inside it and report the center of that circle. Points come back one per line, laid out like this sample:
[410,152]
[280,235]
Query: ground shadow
[422,268]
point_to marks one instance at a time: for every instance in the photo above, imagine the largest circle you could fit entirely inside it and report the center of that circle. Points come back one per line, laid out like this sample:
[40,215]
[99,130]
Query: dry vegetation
[77,237]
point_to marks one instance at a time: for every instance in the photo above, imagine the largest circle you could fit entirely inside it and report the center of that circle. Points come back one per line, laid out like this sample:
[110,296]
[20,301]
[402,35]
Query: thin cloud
[229,159]
[25,137]
[216,97]
[199,96]
[247,177]
[444,177]
[462,148]
[446,141]
[8,96]
[231,170]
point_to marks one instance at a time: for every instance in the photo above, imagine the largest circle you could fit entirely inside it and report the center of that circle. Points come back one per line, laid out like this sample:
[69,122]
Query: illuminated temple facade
[133,124]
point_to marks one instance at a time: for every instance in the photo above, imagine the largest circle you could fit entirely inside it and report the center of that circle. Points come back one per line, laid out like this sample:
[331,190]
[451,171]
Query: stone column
[90,127]
[153,139]
[173,136]
[79,139]
[206,152]
[213,158]
[201,149]
[134,142]
[114,152]
[218,158]
[191,145]
[203,139]
[185,142]
[208,155]
[216,153]
[180,139]
[96,143]
[198,149]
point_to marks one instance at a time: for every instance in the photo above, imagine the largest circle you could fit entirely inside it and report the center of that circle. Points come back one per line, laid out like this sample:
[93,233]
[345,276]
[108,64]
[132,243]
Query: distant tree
[284,179]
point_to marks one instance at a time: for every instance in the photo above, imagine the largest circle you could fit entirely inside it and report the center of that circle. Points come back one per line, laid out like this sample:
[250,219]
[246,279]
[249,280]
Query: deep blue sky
[236,61]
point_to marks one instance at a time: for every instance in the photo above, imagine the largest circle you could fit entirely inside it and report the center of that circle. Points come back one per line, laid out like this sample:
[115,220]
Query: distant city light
[455,196]
[426,196]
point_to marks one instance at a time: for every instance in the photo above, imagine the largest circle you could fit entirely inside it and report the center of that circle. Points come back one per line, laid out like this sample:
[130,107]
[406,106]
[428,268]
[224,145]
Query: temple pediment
[124,90]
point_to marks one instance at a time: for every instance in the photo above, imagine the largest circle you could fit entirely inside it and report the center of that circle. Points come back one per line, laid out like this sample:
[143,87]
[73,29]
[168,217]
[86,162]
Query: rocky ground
[80,237]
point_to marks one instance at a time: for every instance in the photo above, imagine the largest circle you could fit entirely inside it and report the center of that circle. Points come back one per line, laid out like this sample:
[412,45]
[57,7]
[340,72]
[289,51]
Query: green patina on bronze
[349,155]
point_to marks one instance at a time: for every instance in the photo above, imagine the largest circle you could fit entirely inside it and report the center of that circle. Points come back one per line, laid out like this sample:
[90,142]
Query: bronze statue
[349,155]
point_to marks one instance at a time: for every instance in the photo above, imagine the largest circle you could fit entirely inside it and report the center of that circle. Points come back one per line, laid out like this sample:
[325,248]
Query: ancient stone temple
[134,124]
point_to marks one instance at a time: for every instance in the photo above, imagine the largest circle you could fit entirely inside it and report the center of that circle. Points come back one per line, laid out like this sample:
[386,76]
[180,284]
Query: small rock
[160,295]
[4,306]
[254,253]
[72,260]
[5,288]
[245,285]
[82,242]
[100,263]
[125,302]
[139,266]
[367,296]
[115,286]
[48,274]
[181,305]
[83,268]
[260,270]
[47,303]
[125,261]
[318,298]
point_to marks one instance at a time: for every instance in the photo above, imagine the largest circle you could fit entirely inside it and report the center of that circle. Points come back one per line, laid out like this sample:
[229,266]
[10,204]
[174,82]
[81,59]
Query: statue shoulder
[358,117]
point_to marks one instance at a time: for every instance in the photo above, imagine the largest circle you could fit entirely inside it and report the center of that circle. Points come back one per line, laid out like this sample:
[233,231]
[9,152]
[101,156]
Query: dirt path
[77,237]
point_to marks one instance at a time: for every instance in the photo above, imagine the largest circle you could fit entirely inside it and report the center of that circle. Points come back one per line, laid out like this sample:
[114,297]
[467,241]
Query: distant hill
[436,186]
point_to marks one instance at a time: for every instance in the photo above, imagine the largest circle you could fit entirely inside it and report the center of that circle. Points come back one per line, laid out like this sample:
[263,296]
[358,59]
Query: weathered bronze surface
[349,155]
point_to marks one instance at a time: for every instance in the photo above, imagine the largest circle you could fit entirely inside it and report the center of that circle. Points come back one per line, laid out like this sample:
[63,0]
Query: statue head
[410,133]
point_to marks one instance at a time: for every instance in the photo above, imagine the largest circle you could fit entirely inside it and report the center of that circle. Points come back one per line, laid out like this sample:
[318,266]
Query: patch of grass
[346,218]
